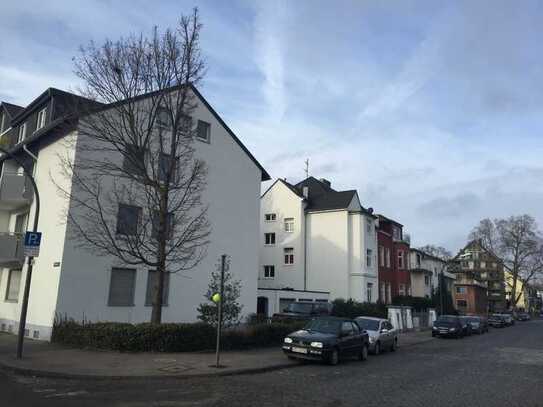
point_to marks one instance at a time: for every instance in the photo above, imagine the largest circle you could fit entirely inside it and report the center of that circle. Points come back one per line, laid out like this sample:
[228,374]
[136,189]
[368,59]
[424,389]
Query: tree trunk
[156,313]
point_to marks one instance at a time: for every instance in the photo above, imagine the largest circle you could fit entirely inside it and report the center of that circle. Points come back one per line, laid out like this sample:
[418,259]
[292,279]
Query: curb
[23,371]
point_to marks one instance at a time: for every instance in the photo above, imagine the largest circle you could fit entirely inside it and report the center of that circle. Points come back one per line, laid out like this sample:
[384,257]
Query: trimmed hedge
[417,303]
[352,309]
[146,337]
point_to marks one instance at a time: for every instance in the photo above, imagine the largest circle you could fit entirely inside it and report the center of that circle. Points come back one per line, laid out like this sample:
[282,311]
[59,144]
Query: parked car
[382,335]
[509,320]
[478,324]
[523,316]
[496,321]
[303,311]
[466,326]
[448,325]
[328,339]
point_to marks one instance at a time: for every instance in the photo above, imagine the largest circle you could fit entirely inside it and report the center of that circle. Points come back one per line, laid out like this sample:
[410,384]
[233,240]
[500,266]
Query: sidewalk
[51,360]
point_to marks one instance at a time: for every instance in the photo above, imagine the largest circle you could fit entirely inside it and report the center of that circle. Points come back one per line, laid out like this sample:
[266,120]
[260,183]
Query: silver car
[382,335]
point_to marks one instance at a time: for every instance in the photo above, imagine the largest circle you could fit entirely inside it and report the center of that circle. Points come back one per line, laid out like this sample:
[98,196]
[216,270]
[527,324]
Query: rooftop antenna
[306,168]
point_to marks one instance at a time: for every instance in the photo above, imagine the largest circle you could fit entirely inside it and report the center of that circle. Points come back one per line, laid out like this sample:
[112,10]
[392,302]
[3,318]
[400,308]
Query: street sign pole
[219,313]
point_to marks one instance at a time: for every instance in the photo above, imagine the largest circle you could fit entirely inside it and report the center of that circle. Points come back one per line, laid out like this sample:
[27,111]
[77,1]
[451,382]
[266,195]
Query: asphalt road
[502,368]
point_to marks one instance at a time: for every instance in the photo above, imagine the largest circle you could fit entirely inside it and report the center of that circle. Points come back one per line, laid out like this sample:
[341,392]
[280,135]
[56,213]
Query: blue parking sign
[32,244]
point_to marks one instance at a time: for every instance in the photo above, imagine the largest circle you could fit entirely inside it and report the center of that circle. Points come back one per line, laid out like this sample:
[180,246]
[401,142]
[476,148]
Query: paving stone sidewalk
[51,360]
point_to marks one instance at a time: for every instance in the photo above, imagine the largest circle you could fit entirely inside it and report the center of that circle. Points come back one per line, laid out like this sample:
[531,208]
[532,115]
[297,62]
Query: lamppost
[26,294]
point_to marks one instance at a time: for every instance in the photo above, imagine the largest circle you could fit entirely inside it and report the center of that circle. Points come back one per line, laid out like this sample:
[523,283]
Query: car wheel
[334,357]
[363,353]
[377,348]
[433,334]
[394,345]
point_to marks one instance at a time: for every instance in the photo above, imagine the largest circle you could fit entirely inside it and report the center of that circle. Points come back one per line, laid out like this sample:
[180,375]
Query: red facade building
[393,260]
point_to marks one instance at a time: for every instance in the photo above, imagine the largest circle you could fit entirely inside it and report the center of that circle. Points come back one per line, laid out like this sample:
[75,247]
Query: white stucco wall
[328,252]
[232,193]
[279,199]
[45,277]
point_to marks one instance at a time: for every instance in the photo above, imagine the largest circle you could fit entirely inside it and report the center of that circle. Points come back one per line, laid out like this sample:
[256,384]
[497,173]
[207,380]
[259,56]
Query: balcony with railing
[11,250]
[15,190]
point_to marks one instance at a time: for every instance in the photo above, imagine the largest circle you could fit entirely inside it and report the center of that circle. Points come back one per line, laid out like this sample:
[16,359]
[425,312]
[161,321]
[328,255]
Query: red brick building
[393,260]
[470,295]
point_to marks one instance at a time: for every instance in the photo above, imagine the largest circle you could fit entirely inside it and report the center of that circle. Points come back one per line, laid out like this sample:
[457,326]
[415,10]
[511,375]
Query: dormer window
[22,132]
[41,119]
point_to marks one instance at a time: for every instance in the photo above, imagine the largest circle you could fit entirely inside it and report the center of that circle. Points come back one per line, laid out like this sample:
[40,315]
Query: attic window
[203,131]
[22,132]
[41,119]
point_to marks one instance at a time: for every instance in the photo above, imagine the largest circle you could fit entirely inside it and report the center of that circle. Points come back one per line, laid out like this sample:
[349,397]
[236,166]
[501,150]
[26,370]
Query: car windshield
[368,324]
[329,326]
[447,319]
[473,319]
[300,308]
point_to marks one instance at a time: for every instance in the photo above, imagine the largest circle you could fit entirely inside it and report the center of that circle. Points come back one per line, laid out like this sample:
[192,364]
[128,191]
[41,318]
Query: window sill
[206,141]
[119,305]
[269,245]
[12,301]
[150,305]
[288,264]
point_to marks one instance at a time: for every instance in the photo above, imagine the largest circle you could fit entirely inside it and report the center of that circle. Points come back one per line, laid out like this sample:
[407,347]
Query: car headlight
[316,344]
[288,340]
[434,327]
[452,329]
[372,339]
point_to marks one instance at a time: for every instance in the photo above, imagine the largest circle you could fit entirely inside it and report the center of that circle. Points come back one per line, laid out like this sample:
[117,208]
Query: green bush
[417,303]
[146,337]
[352,309]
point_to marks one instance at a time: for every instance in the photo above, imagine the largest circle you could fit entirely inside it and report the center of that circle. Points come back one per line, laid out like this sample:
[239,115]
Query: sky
[431,110]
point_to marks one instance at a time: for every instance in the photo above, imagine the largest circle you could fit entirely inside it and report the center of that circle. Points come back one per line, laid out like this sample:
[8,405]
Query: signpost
[32,244]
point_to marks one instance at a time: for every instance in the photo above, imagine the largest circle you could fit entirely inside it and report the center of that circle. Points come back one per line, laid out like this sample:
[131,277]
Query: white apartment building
[316,244]
[425,271]
[70,281]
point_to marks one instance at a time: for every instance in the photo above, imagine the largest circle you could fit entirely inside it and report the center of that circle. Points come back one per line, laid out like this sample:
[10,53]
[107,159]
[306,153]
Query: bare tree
[519,243]
[436,251]
[137,185]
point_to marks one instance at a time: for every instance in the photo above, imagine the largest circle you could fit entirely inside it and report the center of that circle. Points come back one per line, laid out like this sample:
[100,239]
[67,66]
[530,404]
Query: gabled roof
[385,219]
[88,105]
[321,196]
[11,109]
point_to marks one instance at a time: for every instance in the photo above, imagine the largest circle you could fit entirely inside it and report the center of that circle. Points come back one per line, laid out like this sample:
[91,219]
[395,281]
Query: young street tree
[231,308]
[519,243]
[136,182]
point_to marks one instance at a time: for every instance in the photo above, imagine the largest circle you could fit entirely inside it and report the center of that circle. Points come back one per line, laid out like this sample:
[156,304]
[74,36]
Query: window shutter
[151,279]
[122,287]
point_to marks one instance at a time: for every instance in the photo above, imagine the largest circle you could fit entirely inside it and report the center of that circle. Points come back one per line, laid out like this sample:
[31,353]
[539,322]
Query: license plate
[299,350]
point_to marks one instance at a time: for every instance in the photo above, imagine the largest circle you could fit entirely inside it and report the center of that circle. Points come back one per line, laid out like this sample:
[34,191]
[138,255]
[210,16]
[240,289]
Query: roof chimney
[305,192]
[325,181]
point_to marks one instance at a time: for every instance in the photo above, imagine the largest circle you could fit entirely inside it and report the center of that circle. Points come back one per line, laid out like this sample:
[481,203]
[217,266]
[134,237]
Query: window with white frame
[382,256]
[150,291]
[483,264]
[22,132]
[369,255]
[203,131]
[14,284]
[269,239]
[41,119]
[389,293]
[122,287]
[471,265]
[289,224]
[426,280]
[369,289]
[388,257]
[289,255]
[270,217]
[396,233]
[383,293]
[269,272]
[460,290]
[402,289]
[400,259]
